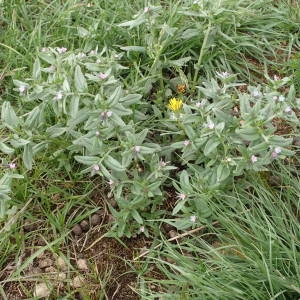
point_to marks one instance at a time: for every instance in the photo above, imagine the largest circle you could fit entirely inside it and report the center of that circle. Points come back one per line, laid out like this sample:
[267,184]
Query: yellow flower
[175,104]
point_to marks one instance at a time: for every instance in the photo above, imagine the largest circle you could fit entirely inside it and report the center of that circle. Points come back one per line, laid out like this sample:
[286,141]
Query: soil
[109,275]
[107,258]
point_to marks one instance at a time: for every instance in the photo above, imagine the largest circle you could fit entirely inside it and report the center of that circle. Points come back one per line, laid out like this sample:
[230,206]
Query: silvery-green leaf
[87,160]
[28,156]
[8,115]
[5,149]
[79,80]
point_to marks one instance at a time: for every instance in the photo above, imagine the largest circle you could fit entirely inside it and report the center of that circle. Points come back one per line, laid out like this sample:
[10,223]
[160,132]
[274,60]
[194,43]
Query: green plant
[76,107]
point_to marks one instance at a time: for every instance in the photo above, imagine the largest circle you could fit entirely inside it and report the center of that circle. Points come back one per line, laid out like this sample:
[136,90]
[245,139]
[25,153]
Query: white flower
[110,182]
[256,93]
[146,9]
[288,109]
[137,149]
[81,55]
[193,219]
[186,143]
[253,158]
[59,95]
[102,76]
[105,114]
[275,98]
[96,168]
[93,52]
[277,150]
[61,50]
[97,133]
[22,89]
[223,75]
[12,165]
[142,229]
[281,98]
[181,196]
[199,104]
[162,163]
[276,78]
[210,125]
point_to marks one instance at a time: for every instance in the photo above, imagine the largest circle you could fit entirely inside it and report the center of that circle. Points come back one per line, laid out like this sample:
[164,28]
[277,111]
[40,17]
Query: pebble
[47,262]
[95,219]
[78,281]
[111,219]
[61,276]
[61,264]
[41,290]
[85,226]
[77,229]
[82,264]
[35,270]
[167,227]
[172,233]
[101,212]
[50,269]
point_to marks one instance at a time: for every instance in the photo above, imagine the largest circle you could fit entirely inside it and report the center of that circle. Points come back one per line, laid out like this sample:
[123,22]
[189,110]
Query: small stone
[172,233]
[50,269]
[47,262]
[167,227]
[296,141]
[41,290]
[82,264]
[85,226]
[61,264]
[77,230]
[111,219]
[101,212]
[61,276]
[95,220]
[28,226]
[35,270]
[78,281]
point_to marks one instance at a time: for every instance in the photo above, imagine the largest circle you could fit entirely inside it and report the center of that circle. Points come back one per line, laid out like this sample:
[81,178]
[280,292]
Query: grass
[253,251]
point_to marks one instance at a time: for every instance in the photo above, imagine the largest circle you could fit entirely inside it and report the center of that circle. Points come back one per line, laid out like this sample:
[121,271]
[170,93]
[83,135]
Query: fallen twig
[177,237]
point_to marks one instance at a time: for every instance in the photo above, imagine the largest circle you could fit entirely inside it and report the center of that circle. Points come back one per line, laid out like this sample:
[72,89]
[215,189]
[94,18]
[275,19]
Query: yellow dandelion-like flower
[175,104]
